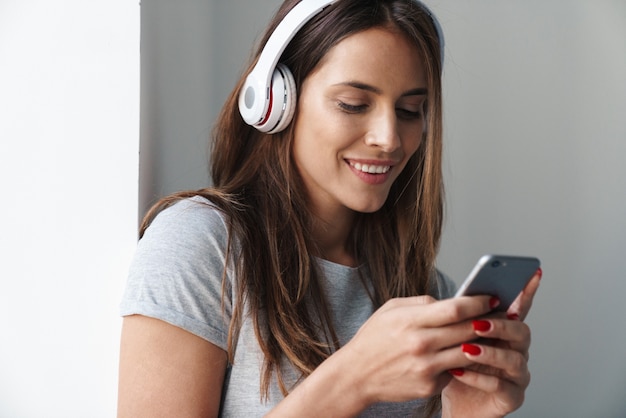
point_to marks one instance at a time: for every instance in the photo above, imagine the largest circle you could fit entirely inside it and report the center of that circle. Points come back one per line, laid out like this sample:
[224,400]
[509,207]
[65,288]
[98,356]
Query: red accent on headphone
[269,109]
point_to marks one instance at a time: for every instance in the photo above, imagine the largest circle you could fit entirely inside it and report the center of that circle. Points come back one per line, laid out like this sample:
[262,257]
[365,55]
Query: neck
[331,236]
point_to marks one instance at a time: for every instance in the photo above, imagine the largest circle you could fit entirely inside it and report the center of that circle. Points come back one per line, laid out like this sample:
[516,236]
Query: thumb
[521,305]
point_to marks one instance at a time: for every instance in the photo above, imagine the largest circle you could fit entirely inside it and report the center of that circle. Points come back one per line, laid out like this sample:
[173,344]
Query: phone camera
[495,264]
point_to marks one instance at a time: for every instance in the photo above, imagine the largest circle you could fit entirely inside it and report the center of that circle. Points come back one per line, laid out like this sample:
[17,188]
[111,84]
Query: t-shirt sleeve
[176,274]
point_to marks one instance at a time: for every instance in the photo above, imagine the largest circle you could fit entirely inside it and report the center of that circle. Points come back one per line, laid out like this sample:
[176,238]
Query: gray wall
[535,97]
[192,52]
[536,143]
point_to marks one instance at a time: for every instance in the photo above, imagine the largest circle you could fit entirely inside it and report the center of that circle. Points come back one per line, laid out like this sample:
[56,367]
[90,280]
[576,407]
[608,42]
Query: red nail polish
[539,272]
[481,325]
[456,372]
[494,302]
[513,317]
[471,349]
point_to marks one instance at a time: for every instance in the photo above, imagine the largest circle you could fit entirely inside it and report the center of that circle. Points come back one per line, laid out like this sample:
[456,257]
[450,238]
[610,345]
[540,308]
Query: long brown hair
[257,186]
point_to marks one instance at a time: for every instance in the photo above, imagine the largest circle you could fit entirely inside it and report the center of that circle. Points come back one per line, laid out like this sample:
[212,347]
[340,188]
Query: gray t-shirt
[176,276]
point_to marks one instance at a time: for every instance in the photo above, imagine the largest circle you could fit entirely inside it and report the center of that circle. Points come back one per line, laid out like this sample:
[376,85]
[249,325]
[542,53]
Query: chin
[368,207]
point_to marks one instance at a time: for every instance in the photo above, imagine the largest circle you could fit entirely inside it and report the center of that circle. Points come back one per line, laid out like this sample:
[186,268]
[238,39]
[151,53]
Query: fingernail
[513,317]
[471,349]
[493,302]
[539,272]
[481,325]
[456,372]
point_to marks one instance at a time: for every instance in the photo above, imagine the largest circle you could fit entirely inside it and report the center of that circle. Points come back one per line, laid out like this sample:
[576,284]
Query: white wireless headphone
[267,99]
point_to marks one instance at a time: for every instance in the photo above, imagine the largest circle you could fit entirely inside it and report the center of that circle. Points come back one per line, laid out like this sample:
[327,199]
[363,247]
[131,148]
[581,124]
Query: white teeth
[371,169]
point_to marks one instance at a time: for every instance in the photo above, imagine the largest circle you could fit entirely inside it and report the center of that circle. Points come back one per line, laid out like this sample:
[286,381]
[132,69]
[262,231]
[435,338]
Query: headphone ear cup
[282,101]
[290,98]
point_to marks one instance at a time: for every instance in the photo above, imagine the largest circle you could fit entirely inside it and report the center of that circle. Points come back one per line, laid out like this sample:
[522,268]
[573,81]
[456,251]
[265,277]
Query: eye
[350,108]
[407,114]
[410,111]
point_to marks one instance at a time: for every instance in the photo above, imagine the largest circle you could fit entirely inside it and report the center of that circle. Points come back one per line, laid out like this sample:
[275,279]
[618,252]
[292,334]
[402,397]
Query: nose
[383,131]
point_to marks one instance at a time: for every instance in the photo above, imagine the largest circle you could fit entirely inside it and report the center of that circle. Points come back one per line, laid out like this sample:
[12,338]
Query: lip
[371,179]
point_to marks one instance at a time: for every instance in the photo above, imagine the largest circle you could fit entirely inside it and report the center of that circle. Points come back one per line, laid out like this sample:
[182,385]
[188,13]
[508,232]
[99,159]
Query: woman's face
[360,117]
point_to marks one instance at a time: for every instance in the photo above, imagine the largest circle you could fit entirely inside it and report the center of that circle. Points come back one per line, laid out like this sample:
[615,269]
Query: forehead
[374,54]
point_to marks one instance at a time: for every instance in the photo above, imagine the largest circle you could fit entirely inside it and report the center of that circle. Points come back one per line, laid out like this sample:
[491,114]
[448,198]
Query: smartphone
[502,276]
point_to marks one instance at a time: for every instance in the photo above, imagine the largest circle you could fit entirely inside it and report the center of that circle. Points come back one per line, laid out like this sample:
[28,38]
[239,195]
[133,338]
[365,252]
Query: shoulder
[191,235]
[180,274]
[195,216]
[443,286]
[191,224]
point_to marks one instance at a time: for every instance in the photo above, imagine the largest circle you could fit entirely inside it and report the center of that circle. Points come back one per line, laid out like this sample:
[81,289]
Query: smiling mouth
[370,168]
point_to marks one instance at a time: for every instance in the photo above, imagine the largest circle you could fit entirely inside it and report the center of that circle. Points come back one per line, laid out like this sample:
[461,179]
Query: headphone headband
[265,100]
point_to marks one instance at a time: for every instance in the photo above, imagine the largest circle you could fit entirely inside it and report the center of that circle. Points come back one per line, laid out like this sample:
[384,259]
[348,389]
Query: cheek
[310,149]
[324,132]
[412,142]
[410,146]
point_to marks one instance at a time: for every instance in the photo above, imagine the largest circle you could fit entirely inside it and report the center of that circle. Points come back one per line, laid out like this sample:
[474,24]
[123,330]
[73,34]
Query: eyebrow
[420,91]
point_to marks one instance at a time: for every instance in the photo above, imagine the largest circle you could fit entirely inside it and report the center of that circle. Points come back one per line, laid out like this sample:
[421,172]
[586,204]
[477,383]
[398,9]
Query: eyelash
[408,115]
[351,108]
[403,113]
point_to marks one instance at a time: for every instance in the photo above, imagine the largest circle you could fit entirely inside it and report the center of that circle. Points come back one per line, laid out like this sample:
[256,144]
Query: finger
[521,305]
[442,340]
[407,302]
[516,333]
[454,310]
[511,396]
[449,360]
[428,312]
[512,364]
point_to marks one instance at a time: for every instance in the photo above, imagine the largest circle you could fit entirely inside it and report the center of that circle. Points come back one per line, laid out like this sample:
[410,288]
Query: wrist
[333,389]
[450,410]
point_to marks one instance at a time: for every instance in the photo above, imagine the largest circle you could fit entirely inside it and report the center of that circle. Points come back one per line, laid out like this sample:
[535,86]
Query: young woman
[303,283]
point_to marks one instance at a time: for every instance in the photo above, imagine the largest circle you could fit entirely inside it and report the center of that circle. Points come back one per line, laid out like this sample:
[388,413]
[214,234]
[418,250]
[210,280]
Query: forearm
[333,389]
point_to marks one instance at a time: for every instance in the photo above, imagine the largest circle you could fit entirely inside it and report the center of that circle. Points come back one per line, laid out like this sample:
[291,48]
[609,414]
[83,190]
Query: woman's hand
[495,377]
[402,352]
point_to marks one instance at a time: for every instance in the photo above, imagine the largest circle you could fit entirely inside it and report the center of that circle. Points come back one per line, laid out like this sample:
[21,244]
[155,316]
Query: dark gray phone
[503,276]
